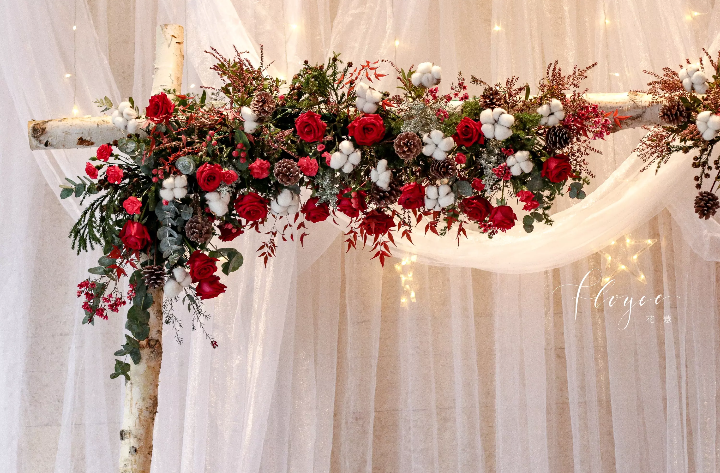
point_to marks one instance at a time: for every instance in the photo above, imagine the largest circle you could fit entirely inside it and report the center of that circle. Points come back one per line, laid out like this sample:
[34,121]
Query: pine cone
[674,113]
[558,137]
[154,276]
[443,169]
[198,229]
[263,105]
[491,98]
[706,204]
[385,198]
[408,145]
[287,172]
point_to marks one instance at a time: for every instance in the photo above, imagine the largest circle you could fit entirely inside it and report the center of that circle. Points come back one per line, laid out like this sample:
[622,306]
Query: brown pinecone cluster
[443,169]
[408,145]
[674,113]
[706,204]
[263,105]
[287,172]
[558,137]
[385,198]
[198,229]
[491,98]
[154,276]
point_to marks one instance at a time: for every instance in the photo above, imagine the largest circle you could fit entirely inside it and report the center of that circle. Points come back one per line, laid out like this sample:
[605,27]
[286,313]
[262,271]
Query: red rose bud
[210,288]
[478,185]
[201,266]
[308,166]
[209,176]
[104,152]
[346,205]
[377,223]
[503,217]
[413,196]
[460,158]
[476,208]
[310,127]
[251,207]
[315,212]
[91,171]
[321,147]
[260,169]
[132,205]
[114,174]
[367,129]
[557,168]
[229,176]
[468,132]
[160,108]
[134,235]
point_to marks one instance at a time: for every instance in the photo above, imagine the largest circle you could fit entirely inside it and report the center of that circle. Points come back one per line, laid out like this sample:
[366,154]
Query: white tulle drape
[327,361]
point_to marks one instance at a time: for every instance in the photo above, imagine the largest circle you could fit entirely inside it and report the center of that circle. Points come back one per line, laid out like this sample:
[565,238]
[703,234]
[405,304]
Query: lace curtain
[327,361]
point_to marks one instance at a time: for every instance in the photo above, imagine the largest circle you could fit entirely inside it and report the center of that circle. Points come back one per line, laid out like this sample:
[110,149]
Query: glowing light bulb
[74,27]
[497,28]
[612,243]
[192,86]
[413,258]
[688,17]
[642,276]
[607,22]
[635,257]
[622,266]
[67,75]
[75,110]
[397,43]
[293,26]
[695,13]
[650,241]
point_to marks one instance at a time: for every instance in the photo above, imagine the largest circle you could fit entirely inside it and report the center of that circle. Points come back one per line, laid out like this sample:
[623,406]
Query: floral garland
[199,166]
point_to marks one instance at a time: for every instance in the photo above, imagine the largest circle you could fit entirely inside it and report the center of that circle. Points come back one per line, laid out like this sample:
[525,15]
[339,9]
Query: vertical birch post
[141,391]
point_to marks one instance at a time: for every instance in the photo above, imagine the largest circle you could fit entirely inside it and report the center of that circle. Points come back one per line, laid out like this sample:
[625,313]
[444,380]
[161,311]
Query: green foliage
[104,103]
[472,109]
[121,369]
[130,347]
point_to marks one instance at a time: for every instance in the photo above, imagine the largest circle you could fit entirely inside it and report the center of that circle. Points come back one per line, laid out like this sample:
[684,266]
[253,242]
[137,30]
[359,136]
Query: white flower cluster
[251,120]
[519,163]
[496,123]
[552,113]
[437,145]
[286,203]
[126,118]
[426,75]
[218,202]
[174,187]
[381,175]
[346,158]
[175,285]
[708,124]
[438,197]
[367,98]
[693,78]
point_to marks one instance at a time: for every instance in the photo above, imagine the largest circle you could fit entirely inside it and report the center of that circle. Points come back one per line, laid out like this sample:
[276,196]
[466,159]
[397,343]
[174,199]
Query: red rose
[478,185]
[251,207]
[377,223]
[413,196]
[91,170]
[201,266]
[209,176]
[476,208]
[132,205]
[528,198]
[229,232]
[260,169]
[308,166]
[134,235]
[310,127]
[210,287]
[315,212]
[104,152]
[114,174]
[468,132]
[160,108]
[367,130]
[351,206]
[460,158]
[229,176]
[503,217]
[557,168]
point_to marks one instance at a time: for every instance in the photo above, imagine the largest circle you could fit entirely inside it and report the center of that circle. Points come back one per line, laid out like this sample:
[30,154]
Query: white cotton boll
[115,114]
[699,77]
[709,134]
[430,203]
[361,89]
[447,144]
[544,110]
[511,161]
[346,147]
[218,208]
[488,130]
[180,192]
[416,79]
[172,288]
[338,160]
[181,181]
[427,80]
[704,116]
[436,136]
[424,68]
[132,126]
[123,106]
[360,103]
[167,194]
[560,115]
[544,120]
[701,126]
[348,168]
[526,166]
[354,158]
[129,114]
[426,138]
[506,120]
[714,122]
[248,114]
[692,69]
[429,149]
[186,282]
[552,120]
[497,112]
[437,72]
[486,116]
[373,96]
[120,122]
[555,105]
[384,180]
[285,197]
[169,183]
[250,127]
[293,209]
[431,192]
[683,74]
[374,175]
[515,169]
[277,209]
[687,84]
[502,133]
[179,273]
[370,108]
[444,190]
[382,166]
[439,154]
[212,196]
[446,200]
[225,198]
[701,88]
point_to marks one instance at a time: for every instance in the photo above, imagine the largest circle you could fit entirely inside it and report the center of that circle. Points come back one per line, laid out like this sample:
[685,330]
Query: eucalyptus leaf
[464,188]
[166,232]
[67,192]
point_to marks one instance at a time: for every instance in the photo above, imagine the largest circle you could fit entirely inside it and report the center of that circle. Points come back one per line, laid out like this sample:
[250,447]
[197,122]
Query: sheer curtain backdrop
[326,360]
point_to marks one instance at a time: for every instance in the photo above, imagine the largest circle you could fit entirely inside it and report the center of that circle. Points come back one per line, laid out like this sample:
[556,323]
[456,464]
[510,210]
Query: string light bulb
[293,26]
[192,86]
[74,27]
[397,43]
[68,75]
[497,28]
[75,110]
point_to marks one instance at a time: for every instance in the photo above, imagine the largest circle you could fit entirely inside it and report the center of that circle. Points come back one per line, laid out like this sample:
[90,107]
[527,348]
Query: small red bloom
[468,132]
[251,207]
[229,176]
[160,108]
[209,176]
[260,169]
[308,166]
[201,266]
[210,288]
[114,174]
[134,235]
[104,152]
[315,212]
[377,223]
[528,198]
[460,158]
[351,206]
[367,129]
[413,196]
[502,172]
[310,127]
[478,185]
[91,170]
[476,208]
[502,217]
[132,205]
[557,168]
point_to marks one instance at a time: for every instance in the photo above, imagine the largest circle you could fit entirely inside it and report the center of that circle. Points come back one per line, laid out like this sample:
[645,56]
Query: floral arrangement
[261,155]
[690,101]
